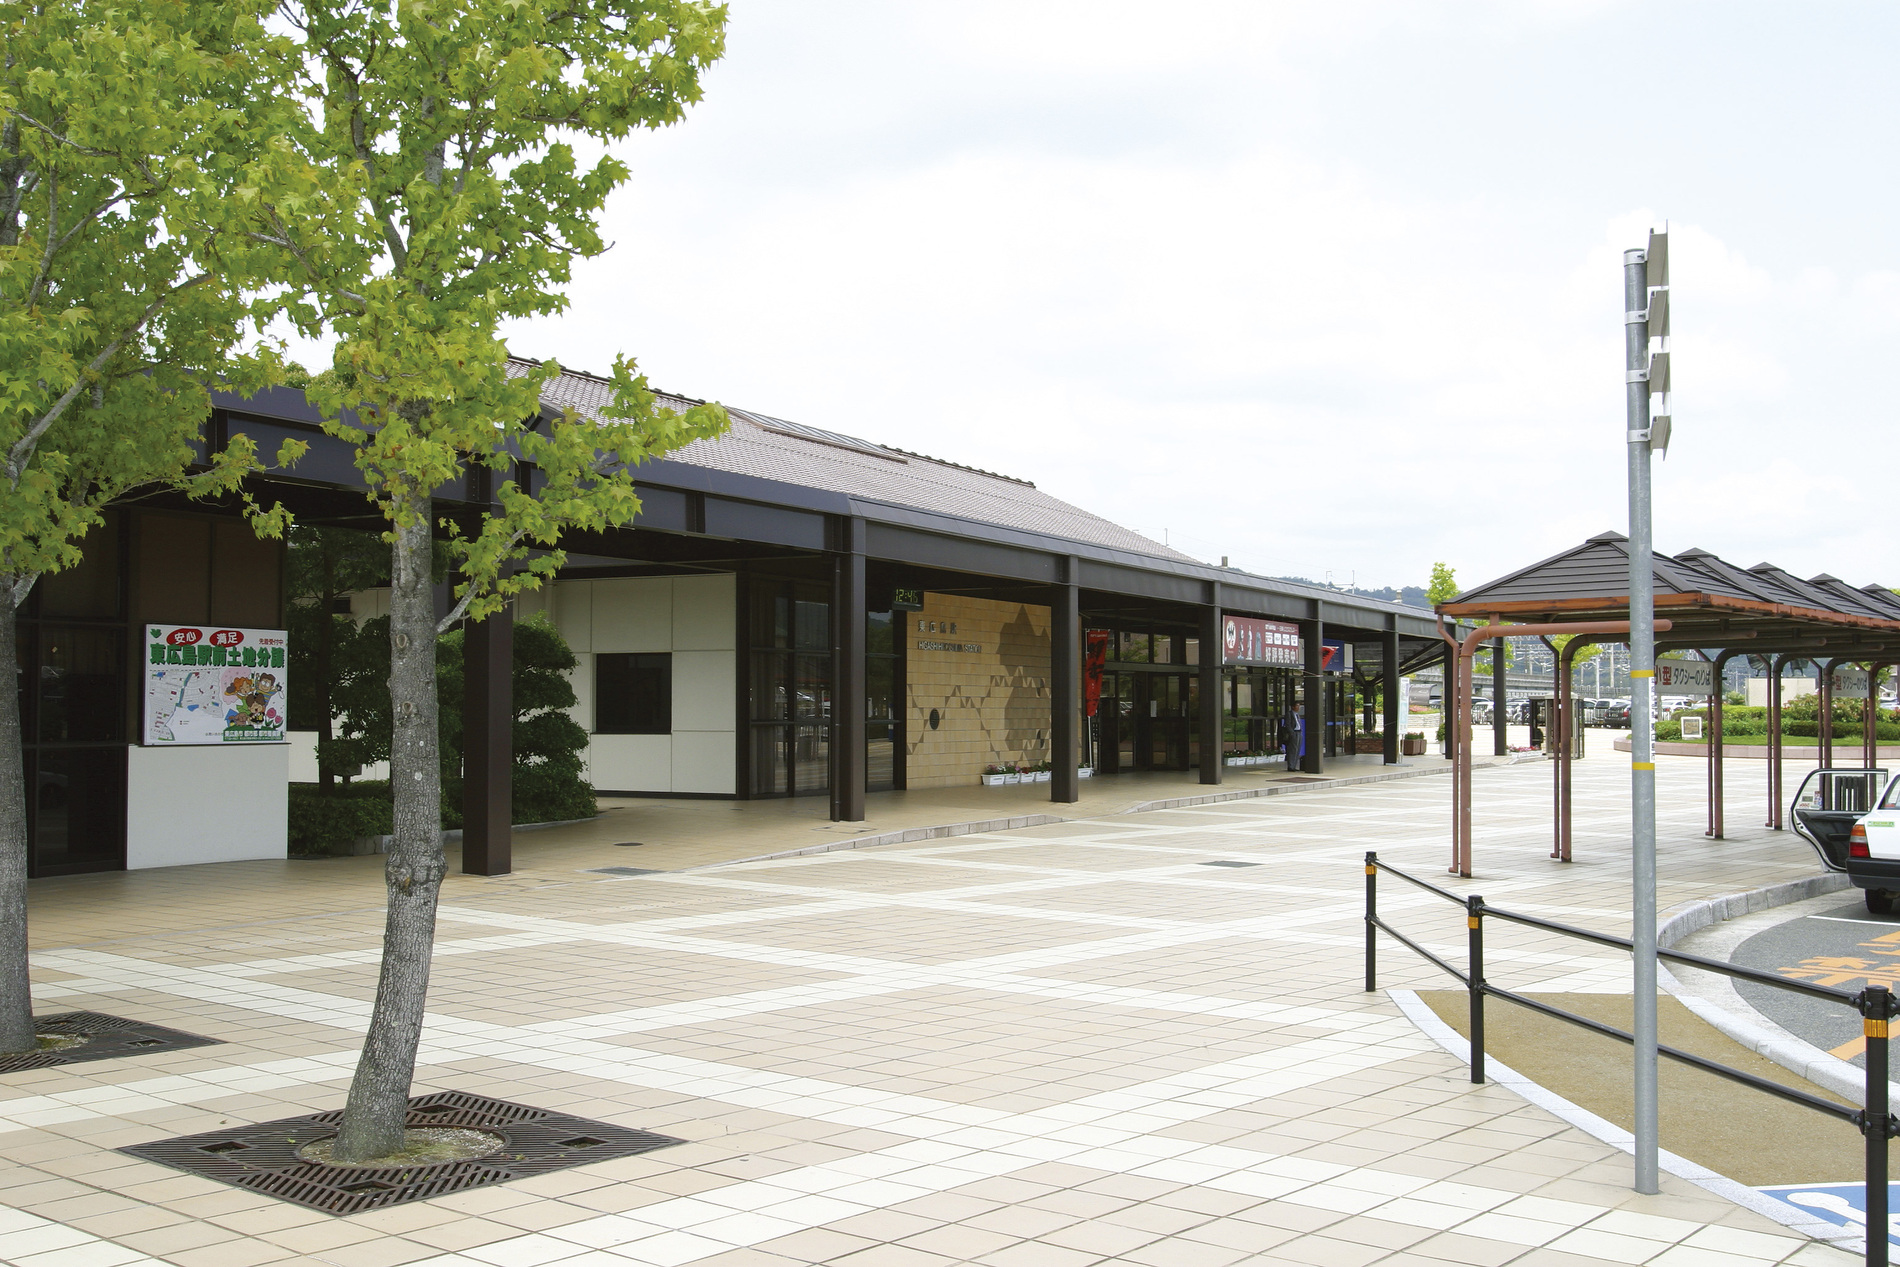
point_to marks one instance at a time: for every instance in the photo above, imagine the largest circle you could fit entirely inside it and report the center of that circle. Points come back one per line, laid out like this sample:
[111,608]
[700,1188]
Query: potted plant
[1413,743]
[1012,773]
[1043,772]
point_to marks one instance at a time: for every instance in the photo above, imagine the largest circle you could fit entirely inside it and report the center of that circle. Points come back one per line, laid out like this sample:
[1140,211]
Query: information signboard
[1685,677]
[1251,641]
[1850,684]
[206,685]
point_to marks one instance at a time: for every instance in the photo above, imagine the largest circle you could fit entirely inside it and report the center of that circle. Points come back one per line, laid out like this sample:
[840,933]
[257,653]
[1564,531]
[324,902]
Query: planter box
[994,780]
[1042,776]
[1085,772]
[1412,747]
[1368,745]
[1012,778]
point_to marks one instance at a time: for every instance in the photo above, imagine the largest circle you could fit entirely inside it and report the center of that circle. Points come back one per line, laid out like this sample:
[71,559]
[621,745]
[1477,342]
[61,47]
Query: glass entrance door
[1146,721]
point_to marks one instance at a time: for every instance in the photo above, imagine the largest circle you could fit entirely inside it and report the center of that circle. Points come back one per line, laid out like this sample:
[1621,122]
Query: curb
[1759,1034]
[1281,789]
[1791,1217]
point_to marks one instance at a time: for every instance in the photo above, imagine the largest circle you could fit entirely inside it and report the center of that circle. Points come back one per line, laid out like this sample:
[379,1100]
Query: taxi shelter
[1704,606]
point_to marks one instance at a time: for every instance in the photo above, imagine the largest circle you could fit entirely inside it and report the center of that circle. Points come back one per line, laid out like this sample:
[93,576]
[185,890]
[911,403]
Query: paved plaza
[1136,1038]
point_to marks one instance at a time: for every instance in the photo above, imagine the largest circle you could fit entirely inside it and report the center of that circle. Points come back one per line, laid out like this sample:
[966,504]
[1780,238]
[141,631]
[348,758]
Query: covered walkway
[1705,607]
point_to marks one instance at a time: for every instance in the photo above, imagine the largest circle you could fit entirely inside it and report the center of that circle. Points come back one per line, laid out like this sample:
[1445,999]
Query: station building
[795,612]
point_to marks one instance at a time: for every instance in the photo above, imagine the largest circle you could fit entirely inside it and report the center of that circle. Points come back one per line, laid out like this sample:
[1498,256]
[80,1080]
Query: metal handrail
[1876,1005]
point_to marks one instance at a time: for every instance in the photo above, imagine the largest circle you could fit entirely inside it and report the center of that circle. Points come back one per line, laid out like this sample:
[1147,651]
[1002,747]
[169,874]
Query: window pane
[633,694]
[90,587]
[771,686]
[880,685]
[771,760]
[1164,649]
[813,681]
[78,803]
[812,759]
[880,757]
[81,691]
[879,634]
[812,626]
[1134,648]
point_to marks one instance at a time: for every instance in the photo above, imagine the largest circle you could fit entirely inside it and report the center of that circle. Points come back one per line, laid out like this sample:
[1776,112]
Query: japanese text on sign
[1251,641]
[214,686]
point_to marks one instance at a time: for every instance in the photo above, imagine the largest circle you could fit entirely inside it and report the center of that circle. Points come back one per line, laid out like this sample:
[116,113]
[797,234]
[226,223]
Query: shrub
[322,826]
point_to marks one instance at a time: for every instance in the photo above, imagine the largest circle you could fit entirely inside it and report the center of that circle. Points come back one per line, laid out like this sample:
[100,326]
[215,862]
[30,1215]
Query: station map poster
[205,685]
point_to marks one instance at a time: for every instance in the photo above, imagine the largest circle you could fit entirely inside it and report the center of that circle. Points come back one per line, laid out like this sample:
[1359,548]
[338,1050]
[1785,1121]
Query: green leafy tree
[133,142]
[1444,585]
[452,125]
[326,566]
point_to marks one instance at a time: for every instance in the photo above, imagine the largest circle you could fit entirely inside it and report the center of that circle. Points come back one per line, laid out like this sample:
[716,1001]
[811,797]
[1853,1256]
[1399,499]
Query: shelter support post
[848,756]
[1065,693]
[1500,722]
[1717,750]
[1444,710]
[1775,669]
[1825,689]
[1313,715]
[488,758]
[1870,718]
[1213,693]
[1395,708]
[1566,742]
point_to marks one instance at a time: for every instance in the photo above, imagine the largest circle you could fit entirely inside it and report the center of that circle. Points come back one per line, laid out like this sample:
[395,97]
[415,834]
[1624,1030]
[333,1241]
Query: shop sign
[972,648]
[1252,641]
[1688,677]
[1850,684]
[1335,656]
[205,685]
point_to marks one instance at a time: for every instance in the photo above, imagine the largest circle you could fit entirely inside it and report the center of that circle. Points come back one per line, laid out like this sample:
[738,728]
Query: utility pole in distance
[1645,316]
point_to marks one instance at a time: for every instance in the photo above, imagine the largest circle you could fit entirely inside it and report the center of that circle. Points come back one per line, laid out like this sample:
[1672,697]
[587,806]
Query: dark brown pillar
[1500,701]
[1213,693]
[488,757]
[1312,632]
[1716,753]
[1395,708]
[1776,666]
[1824,686]
[848,757]
[1065,688]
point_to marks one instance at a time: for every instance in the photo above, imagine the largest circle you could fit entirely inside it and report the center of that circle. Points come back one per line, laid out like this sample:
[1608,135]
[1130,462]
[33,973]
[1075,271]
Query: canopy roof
[1710,601]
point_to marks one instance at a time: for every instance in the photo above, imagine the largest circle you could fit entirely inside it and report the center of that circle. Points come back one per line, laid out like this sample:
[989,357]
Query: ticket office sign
[206,685]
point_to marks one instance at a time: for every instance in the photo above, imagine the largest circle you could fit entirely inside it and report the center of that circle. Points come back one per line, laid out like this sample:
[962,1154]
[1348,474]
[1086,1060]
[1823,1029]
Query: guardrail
[1877,1006]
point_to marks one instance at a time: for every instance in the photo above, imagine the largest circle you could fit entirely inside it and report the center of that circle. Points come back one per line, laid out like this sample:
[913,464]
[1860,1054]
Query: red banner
[1092,668]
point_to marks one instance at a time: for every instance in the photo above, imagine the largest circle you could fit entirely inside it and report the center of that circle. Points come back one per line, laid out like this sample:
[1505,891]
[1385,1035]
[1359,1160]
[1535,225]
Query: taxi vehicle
[1852,818]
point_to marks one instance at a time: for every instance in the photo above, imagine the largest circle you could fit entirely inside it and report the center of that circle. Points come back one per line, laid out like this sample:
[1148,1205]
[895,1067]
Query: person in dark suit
[1292,735]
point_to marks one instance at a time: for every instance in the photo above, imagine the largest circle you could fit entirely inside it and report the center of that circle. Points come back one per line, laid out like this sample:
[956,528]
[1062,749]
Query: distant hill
[1411,595]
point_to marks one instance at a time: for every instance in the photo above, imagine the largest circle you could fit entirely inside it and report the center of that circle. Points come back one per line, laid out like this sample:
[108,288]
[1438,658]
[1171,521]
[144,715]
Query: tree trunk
[326,636]
[16,991]
[379,1095]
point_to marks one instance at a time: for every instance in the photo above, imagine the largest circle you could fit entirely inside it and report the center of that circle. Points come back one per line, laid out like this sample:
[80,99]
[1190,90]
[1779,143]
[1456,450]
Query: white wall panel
[574,614]
[703,762]
[703,691]
[223,803]
[633,613]
[633,763]
[703,616]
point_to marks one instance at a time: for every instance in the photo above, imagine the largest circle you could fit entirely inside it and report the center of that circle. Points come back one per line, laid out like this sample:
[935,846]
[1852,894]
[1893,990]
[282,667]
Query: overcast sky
[1326,288]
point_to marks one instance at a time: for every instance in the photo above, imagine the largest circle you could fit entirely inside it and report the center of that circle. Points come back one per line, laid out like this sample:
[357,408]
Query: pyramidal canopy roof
[794,453]
[1700,592]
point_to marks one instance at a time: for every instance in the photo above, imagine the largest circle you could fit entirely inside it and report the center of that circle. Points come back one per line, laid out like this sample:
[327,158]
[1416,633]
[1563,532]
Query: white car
[1837,812]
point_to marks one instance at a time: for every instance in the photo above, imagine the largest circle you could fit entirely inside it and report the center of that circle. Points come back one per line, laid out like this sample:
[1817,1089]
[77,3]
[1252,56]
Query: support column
[1500,726]
[1395,708]
[1445,710]
[848,757]
[1065,687]
[1824,686]
[1311,634]
[1775,668]
[1213,713]
[488,757]
[1870,718]
[1716,750]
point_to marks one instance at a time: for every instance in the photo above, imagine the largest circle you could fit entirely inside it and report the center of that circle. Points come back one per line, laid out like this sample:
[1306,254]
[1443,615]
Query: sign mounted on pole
[206,685]
[1247,640]
[1690,677]
[1850,684]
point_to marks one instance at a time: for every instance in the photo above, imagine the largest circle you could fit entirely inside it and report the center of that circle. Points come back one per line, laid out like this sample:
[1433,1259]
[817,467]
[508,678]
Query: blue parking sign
[1842,1204]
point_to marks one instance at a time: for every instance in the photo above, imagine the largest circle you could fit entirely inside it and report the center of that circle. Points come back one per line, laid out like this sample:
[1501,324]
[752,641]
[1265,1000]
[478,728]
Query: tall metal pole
[1642,644]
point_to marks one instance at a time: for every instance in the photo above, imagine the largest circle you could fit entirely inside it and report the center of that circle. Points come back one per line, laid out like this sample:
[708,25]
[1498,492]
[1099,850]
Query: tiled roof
[793,453]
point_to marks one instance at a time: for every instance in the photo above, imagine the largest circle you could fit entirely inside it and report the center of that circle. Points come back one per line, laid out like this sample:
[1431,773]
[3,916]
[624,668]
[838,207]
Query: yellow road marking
[1851,1048]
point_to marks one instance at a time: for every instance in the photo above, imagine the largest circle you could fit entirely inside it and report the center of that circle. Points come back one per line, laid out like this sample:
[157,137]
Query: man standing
[1292,734]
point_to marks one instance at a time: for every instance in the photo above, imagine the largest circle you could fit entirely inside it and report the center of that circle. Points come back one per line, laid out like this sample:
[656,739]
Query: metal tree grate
[263,1156]
[107,1038]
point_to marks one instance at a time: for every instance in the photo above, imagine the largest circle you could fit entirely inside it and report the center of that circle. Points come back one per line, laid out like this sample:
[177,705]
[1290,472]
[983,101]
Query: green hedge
[324,826]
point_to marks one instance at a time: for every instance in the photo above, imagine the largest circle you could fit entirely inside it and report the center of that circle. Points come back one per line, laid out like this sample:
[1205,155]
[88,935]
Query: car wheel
[1879,902]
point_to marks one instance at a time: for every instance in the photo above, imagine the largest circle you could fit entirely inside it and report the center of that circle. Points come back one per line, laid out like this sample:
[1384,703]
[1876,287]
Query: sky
[1328,289]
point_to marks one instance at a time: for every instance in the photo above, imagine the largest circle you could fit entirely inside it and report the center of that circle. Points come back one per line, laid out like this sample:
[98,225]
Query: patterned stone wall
[984,666]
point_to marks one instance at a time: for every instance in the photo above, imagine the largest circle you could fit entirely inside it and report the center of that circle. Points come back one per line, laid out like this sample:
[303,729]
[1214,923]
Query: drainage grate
[107,1037]
[1306,778]
[622,871]
[628,844]
[1225,863]
[263,1157]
